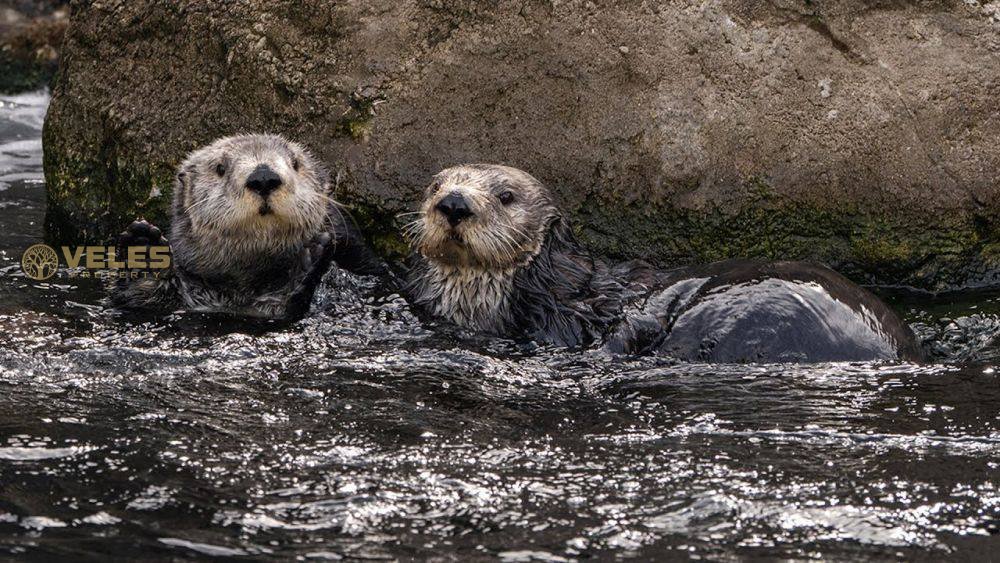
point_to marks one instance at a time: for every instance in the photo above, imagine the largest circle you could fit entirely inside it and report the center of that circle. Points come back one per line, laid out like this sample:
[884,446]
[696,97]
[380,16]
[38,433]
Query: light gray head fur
[471,266]
[511,213]
[221,228]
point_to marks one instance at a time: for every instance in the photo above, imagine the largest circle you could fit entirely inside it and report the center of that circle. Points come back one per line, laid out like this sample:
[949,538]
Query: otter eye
[296,164]
[220,169]
[506,197]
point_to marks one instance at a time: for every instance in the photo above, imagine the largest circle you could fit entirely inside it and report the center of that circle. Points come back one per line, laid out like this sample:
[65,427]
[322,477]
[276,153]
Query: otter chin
[253,226]
[494,253]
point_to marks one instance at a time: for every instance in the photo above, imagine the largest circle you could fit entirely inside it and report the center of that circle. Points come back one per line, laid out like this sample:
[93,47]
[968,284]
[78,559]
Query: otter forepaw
[129,291]
[312,253]
[141,233]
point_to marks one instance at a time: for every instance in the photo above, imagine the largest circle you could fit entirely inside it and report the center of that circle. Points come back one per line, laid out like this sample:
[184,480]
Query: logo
[40,262]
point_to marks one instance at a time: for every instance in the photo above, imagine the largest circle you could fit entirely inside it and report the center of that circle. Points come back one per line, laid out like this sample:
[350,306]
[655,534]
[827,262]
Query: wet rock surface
[856,133]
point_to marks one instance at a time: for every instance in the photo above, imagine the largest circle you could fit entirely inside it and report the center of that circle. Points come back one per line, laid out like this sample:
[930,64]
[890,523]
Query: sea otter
[494,253]
[253,228]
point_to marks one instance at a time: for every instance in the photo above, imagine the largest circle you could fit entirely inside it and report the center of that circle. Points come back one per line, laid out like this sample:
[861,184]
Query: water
[361,433]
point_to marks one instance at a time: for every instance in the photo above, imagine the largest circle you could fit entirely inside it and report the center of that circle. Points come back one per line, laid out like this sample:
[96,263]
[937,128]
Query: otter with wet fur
[494,253]
[253,229]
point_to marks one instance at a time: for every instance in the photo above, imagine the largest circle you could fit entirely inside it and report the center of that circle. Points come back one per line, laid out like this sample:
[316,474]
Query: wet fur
[518,271]
[561,296]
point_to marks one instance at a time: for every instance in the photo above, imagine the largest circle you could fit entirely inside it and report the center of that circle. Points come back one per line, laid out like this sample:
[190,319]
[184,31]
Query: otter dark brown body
[747,311]
[553,291]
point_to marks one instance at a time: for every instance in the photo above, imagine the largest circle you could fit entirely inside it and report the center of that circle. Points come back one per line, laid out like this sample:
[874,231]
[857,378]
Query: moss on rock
[90,200]
[868,247]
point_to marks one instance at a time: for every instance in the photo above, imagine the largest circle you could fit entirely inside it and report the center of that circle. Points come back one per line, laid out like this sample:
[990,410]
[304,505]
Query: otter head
[244,198]
[483,217]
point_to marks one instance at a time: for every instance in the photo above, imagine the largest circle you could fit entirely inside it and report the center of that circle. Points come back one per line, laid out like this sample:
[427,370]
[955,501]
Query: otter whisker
[413,231]
[507,243]
[413,226]
[325,198]
[203,201]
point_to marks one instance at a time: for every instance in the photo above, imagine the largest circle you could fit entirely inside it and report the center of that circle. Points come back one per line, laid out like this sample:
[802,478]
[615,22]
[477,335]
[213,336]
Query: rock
[31,32]
[860,134]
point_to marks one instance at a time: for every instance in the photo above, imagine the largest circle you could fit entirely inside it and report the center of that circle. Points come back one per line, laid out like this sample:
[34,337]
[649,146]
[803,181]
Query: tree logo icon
[40,262]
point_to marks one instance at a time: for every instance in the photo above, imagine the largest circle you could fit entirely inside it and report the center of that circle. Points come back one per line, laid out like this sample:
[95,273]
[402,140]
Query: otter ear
[182,183]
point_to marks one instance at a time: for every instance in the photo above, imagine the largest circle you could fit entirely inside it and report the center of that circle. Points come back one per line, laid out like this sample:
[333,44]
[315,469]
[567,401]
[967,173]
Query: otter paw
[312,252]
[141,233]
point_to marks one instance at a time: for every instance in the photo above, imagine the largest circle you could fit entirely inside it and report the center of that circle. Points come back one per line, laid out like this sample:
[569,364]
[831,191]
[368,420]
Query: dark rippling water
[360,433]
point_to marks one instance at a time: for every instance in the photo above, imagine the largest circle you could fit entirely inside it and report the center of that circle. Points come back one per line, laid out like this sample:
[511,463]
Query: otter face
[249,193]
[485,217]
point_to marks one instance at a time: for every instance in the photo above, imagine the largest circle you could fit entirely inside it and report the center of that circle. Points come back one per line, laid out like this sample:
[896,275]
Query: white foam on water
[27,109]
[35,454]
[204,548]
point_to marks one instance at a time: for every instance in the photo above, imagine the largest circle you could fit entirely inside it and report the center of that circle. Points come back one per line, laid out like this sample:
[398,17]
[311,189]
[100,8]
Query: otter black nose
[263,180]
[454,208]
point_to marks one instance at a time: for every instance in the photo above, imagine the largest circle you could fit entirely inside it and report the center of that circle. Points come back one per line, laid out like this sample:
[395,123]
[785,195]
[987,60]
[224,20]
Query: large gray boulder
[862,134]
